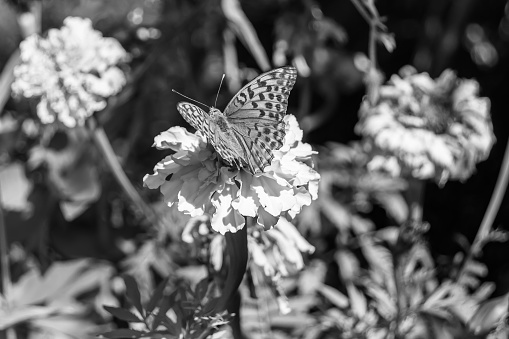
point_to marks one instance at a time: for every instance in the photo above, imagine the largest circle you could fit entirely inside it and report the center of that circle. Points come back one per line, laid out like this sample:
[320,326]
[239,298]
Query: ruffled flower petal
[199,183]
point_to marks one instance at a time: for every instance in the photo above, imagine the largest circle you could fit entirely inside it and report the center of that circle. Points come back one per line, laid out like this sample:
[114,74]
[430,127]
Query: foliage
[329,241]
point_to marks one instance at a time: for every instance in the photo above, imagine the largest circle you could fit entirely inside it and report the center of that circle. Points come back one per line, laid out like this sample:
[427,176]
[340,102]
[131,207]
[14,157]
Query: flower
[71,72]
[195,180]
[427,128]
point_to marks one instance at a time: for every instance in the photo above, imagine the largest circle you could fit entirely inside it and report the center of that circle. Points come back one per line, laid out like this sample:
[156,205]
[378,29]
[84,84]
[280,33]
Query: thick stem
[236,247]
[103,144]
[491,212]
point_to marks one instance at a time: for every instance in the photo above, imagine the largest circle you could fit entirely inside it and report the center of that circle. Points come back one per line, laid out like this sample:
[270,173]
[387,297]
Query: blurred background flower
[71,72]
[425,128]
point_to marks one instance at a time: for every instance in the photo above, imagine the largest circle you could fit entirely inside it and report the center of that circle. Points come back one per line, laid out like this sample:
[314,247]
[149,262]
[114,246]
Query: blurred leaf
[123,314]
[245,31]
[11,317]
[358,302]
[489,314]
[123,333]
[394,204]
[156,297]
[133,293]
[388,41]
[334,296]
[7,77]
[62,327]
[165,305]
[201,288]
[32,288]
[14,188]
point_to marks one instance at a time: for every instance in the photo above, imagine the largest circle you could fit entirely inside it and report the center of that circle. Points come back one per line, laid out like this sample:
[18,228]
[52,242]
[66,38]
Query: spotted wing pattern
[255,120]
[196,117]
[256,115]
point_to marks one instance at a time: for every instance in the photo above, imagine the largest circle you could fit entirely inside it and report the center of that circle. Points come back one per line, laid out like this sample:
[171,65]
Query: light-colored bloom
[71,71]
[195,180]
[428,128]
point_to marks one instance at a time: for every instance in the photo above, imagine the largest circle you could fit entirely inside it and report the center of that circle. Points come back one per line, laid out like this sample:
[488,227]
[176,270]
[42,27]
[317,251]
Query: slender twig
[374,23]
[491,212]
[103,144]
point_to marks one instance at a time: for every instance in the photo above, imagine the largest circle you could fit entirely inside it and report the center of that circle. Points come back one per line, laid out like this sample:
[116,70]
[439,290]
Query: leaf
[334,296]
[33,289]
[14,188]
[201,288]
[123,314]
[155,299]
[489,314]
[123,333]
[357,301]
[133,293]
[394,204]
[245,31]
[166,304]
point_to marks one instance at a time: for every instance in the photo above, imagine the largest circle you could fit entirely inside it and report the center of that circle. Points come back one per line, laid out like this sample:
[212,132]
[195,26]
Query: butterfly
[252,125]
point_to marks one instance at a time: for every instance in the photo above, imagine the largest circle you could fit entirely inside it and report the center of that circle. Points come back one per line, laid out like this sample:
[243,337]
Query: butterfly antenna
[189,98]
[217,95]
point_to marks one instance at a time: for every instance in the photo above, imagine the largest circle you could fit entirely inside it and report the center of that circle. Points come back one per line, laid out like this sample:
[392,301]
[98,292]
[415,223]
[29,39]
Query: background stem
[103,144]
[491,212]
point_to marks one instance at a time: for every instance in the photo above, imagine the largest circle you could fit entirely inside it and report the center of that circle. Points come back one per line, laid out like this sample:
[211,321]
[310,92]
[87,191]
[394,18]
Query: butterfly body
[252,125]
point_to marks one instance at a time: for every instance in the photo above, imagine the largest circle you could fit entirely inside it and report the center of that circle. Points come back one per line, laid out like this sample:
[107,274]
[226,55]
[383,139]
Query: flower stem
[491,212]
[415,195]
[103,144]
[370,15]
[10,333]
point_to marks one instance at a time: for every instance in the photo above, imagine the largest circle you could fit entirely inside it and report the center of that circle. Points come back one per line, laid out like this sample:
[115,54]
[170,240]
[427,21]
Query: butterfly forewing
[196,117]
[265,97]
[256,115]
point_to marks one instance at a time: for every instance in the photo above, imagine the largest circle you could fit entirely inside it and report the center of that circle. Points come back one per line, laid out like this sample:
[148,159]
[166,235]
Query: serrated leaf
[133,293]
[123,314]
[155,299]
[123,333]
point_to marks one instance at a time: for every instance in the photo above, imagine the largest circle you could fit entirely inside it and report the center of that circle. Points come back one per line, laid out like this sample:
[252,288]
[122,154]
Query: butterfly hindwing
[258,140]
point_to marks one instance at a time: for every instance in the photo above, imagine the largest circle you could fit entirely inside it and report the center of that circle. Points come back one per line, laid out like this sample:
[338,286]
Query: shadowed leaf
[133,293]
[122,314]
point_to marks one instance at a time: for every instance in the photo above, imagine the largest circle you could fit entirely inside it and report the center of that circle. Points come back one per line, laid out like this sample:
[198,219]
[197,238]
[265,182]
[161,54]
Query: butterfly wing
[256,115]
[197,118]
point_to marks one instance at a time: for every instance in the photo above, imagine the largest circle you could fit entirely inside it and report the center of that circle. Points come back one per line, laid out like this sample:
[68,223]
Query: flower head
[195,180]
[428,128]
[72,71]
